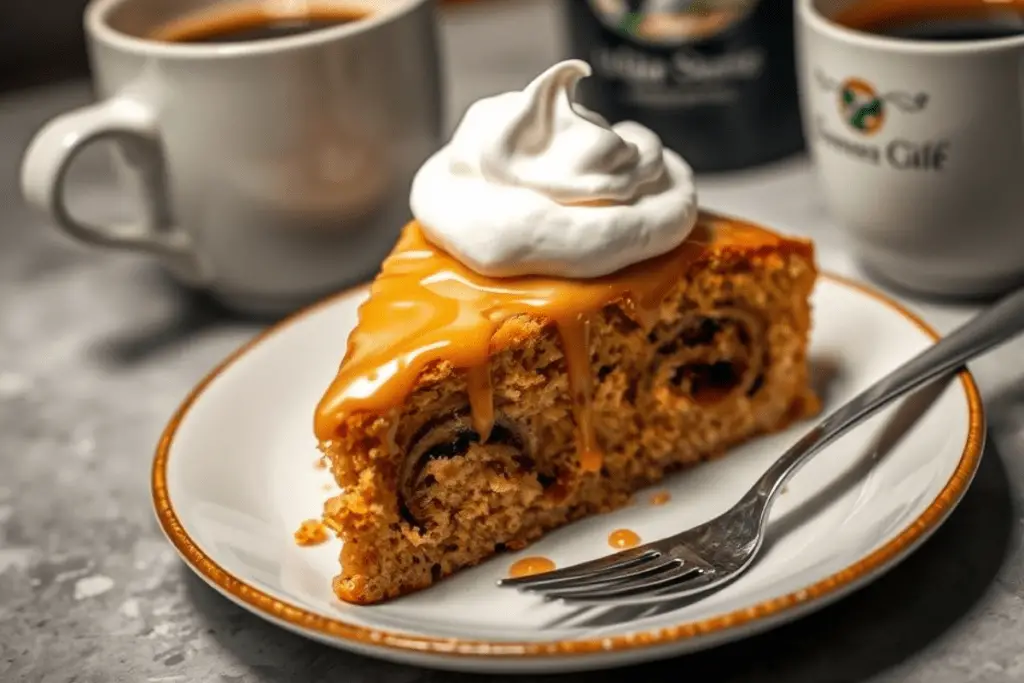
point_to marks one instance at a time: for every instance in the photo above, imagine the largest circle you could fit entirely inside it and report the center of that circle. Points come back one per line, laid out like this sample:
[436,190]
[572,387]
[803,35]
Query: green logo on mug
[864,110]
[862,107]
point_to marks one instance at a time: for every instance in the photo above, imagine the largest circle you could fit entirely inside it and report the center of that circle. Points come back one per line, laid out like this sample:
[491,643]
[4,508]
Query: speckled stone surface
[97,349]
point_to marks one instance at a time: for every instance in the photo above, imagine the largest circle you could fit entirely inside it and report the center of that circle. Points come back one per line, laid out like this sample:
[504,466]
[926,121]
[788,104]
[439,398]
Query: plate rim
[765,612]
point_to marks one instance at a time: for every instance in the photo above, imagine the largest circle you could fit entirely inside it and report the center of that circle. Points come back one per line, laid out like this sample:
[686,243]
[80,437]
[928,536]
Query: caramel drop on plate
[660,498]
[621,539]
[528,566]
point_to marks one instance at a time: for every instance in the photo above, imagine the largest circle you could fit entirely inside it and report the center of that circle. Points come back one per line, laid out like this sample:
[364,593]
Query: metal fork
[710,555]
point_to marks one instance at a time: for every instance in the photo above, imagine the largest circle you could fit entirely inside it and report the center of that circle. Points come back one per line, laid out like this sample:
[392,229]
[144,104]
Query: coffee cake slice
[472,415]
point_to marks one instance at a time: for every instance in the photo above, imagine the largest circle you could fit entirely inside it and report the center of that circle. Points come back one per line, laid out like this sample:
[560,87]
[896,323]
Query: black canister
[714,78]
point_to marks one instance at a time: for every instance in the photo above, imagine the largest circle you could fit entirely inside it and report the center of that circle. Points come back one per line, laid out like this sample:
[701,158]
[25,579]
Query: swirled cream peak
[532,183]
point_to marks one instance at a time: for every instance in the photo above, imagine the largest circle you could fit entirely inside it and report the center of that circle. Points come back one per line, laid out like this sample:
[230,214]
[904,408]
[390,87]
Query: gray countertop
[97,349]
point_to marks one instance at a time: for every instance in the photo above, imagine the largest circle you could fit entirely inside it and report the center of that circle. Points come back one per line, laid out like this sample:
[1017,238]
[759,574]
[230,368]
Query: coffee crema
[255,21]
[942,20]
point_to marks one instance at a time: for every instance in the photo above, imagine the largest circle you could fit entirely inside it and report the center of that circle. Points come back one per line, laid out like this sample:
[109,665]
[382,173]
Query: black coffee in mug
[941,20]
[244,23]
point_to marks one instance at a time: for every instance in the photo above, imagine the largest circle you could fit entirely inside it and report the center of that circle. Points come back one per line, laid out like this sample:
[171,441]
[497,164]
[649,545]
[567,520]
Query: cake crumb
[661,498]
[320,463]
[311,532]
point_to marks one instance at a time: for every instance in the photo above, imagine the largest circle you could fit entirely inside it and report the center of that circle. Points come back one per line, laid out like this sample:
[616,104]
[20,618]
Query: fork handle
[993,326]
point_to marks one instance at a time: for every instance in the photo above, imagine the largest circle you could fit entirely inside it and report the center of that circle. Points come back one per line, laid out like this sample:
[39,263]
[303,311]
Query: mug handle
[54,148]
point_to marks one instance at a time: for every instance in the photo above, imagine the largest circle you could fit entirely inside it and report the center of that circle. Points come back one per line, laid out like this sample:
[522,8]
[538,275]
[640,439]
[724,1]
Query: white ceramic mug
[920,150]
[271,171]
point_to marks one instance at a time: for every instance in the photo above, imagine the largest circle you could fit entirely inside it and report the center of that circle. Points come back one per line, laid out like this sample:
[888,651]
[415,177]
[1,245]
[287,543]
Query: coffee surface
[248,23]
[942,20]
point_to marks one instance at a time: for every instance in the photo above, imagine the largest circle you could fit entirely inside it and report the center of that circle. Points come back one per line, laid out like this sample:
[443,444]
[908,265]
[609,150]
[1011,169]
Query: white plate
[234,475]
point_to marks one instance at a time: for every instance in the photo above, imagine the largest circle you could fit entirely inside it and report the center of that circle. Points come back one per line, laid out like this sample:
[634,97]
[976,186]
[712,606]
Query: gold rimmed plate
[234,475]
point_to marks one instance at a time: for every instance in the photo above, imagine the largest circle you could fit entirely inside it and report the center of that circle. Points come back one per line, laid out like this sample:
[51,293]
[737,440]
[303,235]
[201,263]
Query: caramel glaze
[426,307]
[528,566]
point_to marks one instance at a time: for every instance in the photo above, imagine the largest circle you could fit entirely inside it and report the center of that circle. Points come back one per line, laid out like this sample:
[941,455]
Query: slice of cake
[484,399]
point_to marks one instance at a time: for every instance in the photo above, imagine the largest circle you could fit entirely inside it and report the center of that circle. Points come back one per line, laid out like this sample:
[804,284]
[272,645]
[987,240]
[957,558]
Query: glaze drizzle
[426,307]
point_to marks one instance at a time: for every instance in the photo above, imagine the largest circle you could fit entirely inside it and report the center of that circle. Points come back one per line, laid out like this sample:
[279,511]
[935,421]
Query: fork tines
[631,576]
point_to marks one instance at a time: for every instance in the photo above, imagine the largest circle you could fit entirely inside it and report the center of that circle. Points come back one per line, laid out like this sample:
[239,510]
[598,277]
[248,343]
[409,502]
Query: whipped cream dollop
[533,183]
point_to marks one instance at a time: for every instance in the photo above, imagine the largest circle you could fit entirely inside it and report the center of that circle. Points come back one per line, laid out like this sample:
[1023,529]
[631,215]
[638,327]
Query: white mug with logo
[919,147]
[271,171]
